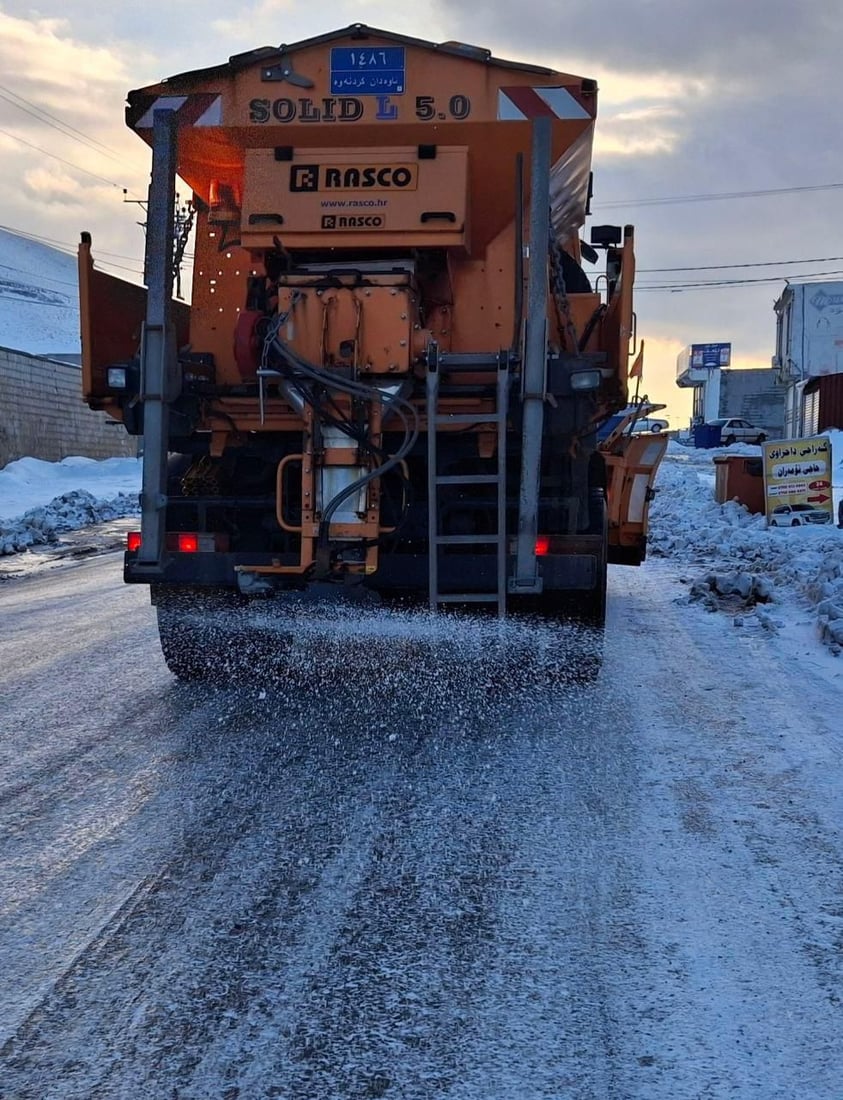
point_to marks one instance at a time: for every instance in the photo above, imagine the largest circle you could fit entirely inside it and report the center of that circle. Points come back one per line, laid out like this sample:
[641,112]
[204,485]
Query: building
[698,367]
[822,404]
[753,395]
[809,356]
[756,396]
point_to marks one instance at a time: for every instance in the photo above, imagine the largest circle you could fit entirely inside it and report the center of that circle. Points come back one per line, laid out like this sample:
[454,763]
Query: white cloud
[43,54]
[766,41]
[52,185]
[726,96]
[642,131]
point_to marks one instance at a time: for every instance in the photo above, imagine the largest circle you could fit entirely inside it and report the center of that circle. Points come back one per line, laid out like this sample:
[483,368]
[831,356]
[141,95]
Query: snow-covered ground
[732,561]
[39,500]
[39,297]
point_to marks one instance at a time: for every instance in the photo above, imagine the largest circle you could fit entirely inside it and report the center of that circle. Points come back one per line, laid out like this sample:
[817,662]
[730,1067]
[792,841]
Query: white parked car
[735,430]
[649,424]
[794,515]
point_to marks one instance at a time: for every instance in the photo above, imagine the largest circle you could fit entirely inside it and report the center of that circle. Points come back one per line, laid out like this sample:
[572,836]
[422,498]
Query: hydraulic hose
[296,375]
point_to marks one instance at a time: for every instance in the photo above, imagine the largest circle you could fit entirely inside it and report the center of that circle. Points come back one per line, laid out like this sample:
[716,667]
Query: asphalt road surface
[404,885]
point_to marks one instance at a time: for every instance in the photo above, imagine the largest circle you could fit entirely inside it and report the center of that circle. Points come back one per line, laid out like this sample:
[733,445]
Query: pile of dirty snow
[40,500]
[738,560]
[731,558]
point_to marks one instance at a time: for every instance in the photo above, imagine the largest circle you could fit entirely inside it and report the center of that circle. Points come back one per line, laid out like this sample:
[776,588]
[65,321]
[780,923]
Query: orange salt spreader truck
[391,379]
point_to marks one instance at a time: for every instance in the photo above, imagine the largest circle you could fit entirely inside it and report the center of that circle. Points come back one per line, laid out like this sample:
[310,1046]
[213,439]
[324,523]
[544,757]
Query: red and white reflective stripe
[202,109]
[520,103]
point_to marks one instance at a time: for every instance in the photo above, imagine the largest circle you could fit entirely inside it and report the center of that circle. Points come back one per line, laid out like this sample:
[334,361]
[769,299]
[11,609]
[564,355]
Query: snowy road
[630,891]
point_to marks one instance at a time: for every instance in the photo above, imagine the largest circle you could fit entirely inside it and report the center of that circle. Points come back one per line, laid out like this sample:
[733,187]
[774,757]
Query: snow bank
[39,500]
[68,512]
[734,559]
[30,482]
[738,555]
[39,300]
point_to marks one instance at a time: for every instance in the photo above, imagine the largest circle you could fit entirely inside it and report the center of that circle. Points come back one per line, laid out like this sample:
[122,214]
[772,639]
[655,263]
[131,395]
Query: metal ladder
[435,420]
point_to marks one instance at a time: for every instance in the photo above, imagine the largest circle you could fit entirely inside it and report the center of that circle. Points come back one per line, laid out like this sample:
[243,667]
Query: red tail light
[542,546]
[185,542]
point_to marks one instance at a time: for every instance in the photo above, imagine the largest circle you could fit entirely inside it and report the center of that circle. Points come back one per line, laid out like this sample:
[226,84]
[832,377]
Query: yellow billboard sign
[797,481]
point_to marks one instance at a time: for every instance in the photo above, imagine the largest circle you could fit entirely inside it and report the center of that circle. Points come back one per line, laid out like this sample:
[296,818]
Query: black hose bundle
[315,385]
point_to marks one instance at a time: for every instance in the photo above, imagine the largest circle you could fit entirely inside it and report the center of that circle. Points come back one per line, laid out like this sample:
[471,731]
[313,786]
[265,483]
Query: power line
[813,276]
[759,263]
[38,275]
[718,195]
[69,164]
[53,118]
[61,246]
[40,305]
[40,115]
[70,250]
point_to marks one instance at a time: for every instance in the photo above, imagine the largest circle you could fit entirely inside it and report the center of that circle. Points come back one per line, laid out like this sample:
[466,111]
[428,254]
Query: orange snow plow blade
[631,466]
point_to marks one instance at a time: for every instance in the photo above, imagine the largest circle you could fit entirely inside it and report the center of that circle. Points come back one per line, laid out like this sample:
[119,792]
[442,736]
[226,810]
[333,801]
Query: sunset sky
[696,100]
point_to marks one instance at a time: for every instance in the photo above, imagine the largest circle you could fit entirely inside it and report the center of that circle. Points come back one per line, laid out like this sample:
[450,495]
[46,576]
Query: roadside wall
[42,414]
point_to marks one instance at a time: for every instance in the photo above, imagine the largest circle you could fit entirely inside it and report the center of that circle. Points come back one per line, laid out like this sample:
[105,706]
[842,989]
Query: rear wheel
[585,612]
[600,522]
[729,440]
[183,654]
[589,659]
[197,632]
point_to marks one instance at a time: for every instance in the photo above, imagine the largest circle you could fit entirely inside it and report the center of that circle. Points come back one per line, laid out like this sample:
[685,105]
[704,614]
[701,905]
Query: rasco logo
[352,177]
[351,221]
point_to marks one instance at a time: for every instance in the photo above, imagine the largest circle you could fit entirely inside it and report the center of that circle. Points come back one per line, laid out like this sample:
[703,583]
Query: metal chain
[560,294]
[183,225]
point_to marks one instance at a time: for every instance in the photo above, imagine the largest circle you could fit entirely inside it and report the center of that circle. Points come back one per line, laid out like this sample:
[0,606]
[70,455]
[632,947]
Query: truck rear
[391,378]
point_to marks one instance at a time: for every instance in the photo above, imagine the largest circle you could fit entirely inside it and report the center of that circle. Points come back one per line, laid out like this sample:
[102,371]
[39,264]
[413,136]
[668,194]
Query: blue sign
[368,70]
[711,355]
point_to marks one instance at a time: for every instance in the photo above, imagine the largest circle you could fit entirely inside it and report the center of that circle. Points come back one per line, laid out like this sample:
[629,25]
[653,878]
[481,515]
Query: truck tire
[195,632]
[184,654]
[212,636]
[583,612]
[593,609]
[590,607]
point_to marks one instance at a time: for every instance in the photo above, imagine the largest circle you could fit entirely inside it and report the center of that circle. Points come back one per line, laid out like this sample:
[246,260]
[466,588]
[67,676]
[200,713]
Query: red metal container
[740,478]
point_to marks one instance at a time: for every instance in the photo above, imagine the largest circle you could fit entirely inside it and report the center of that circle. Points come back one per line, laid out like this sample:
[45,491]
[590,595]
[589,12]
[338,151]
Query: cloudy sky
[697,98]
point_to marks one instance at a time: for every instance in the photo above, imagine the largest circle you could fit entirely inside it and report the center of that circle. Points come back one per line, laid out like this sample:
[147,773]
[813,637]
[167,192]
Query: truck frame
[390,382]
